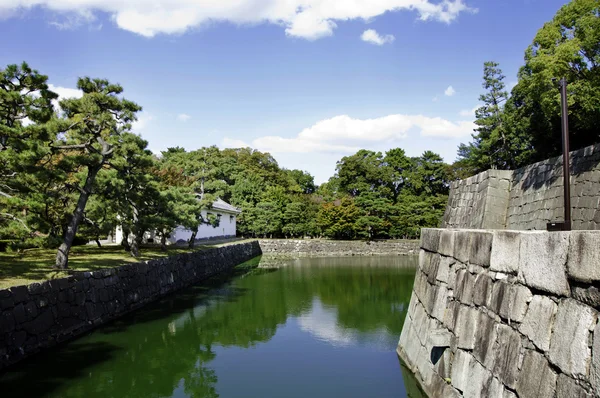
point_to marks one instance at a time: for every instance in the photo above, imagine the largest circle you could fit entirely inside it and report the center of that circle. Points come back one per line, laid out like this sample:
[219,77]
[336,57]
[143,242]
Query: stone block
[569,348]
[439,302]
[507,351]
[485,340]
[538,321]
[536,379]
[482,289]
[543,257]
[430,239]
[440,338]
[433,268]
[424,260]
[583,262]
[446,246]
[462,248]
[595,366]
[568,388]
[460,370]
[466,326]
[480,381]
[463,289]
[515,299]
[480,246]
[443,273]
[451,314]
[505,252]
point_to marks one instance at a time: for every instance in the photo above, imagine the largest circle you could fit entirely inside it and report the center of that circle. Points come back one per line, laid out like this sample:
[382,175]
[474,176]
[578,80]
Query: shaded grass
[34,265]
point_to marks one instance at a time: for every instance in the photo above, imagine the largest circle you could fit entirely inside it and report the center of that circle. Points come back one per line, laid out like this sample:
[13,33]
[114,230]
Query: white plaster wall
[227,227]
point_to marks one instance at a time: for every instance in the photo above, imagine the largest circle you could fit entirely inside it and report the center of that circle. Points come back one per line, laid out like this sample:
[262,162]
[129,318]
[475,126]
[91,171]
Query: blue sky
[308,80]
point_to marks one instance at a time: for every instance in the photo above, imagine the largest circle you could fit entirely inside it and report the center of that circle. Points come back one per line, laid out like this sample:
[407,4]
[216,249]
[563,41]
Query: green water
[312,328]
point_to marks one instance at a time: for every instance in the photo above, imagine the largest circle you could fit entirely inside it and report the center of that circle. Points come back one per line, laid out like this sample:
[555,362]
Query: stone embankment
[43,314]
[505,314]
[336,248]
[529,197]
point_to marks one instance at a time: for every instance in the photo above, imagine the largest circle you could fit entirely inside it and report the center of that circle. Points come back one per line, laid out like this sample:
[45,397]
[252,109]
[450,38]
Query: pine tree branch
[11,216]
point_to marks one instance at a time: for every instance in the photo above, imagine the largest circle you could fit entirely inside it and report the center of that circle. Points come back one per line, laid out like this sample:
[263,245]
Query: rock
[589,295]
[538,322]
[463,288]
[460,370]
[595,366]
[446,246]
[507,350]
[482,290]
[443,274]
[568,388]
[505,252]
[480,381]
[439,301]
[440,338]
[480,248]
[542,261]
[430,239]
[462,248]
[569,348]
[466,326]
[485,340]
[537,379]
[584,257]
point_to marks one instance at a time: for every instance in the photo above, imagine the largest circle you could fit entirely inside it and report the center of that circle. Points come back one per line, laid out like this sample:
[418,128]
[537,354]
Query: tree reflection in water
[167,348]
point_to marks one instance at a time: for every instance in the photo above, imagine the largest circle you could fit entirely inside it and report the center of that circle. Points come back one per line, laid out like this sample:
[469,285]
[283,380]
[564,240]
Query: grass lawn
[35,265]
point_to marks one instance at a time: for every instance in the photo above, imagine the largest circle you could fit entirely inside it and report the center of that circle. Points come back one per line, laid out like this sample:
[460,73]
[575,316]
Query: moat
[312,327]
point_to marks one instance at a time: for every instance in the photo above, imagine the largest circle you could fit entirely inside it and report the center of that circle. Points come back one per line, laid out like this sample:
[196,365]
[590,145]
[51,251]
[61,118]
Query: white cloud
[469,112]
[309,19]
[182,117]
[63,93]
[343,134]
[233,143]
[450,91]
[435,99]
[142,121]
[371,36]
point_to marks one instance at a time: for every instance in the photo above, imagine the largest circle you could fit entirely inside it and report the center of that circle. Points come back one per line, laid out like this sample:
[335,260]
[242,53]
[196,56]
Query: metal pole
[565,146]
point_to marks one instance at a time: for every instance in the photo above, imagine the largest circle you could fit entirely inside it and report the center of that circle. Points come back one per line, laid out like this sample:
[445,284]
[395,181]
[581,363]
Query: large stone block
[485,340]
[536,379]
[446,246]
[430,239]
[466,326]
[595,367]
[513,300]
[462,248]
[508,349]
[538,322]
[505,252]
[443,273]
[543,257]
[439,302]
[569,348]
[584,256]
[483,289]
[460,370]
[480,248]
[463,288]
[480,382]
[568,388]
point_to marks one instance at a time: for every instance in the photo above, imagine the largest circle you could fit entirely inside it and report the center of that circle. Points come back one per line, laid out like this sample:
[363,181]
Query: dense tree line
[74,172]
[524,126]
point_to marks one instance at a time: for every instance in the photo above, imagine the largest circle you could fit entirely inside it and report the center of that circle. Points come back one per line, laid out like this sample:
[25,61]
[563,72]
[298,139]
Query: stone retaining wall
[43,314]
[505,314]
[337,248]
[529,197]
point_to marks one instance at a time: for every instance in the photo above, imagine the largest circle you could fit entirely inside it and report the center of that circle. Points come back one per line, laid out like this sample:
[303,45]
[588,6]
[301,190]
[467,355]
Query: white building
[225,213]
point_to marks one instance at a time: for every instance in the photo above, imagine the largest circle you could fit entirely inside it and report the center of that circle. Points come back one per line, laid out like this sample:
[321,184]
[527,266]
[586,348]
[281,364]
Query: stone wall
[43,314]
[337,248]
[529,197]
[505,314]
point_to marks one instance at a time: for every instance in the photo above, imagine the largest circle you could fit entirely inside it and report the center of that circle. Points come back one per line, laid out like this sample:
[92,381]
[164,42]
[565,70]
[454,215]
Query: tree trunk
[98,242]
[62,255]
[192,239]
[163,242]
[135,232]
[125,240]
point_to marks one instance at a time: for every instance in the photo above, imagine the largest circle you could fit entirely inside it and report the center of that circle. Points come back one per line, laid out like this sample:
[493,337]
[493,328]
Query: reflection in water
[323,326]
